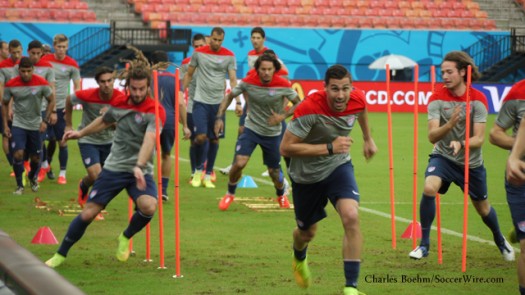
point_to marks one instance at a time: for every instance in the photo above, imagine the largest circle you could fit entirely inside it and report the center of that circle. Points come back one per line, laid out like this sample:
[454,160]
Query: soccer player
[166,90]
[318,141]
[27,91]
[267,91]
[213,62]
[66,70]
[129,165]
[46,49]
[198,41]
[94,148]
[4,51]
[510,116]
[446,130]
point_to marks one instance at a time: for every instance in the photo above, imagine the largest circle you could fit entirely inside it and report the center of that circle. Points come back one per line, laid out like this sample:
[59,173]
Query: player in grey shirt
[129,165]
[27,92]
[213,62]
[267,91]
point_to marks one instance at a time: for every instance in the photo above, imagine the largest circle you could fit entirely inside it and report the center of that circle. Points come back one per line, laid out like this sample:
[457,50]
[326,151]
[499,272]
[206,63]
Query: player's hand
[342,144]
[219,127]
[103,111]
[275,118]
[515,171]
[52,119]
[238,110]
[187,133]
[71,134]
[139,177]
[455,146]
[369,149]
[43,127]
[454,119]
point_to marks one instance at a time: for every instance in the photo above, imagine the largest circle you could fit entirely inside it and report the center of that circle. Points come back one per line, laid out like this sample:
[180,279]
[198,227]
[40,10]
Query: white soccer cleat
[507,251]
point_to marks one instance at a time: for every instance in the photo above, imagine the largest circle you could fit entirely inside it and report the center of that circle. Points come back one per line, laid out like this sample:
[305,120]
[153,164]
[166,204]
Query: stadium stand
[406,14]
[46,10]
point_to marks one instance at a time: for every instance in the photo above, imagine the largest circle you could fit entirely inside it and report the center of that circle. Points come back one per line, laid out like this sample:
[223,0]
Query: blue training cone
[247,182]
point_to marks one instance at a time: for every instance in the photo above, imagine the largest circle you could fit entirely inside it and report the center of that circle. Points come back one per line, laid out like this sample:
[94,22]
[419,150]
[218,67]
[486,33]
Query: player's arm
[146,150]
[369,147]
[499,137]
[5,112]
[233,78]
[188,77]
[219,124]
[436,132]
[515,164]
[293,146]
[183,117]
[51,113]
[95,126]
[476,141]
[69,113]
[295,102]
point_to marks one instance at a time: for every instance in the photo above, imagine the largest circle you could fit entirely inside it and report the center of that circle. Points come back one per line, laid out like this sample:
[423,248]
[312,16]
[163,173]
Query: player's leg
[167,139]
[200,121]
[189,119]
[34,148]
[63,153]
[51,148]
[271,159]
[213,147]
[19,141]
[516,201]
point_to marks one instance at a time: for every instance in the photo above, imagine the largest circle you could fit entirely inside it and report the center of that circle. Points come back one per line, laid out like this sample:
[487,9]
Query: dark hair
[101,70]
[267,57]
[337,72]
[14,44]
[218,30]
[2,43]
[258,30]
[270,52]
[463,60]
[34,44]
[198,36]
[25,62]
[159,56]
[139,68]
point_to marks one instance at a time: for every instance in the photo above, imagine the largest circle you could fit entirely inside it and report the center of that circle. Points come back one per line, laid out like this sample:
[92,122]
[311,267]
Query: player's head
[105,77]
[34,51]
[15,50]
[198,41]
[46,49]
[338,85]
[25,69]
[454,69]
[159,56]
[60,44]
[266,66]
[216,38]
[257,38]
[4,50]
[137,76]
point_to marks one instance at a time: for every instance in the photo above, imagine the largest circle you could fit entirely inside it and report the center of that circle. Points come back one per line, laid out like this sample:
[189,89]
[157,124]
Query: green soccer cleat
[197,179]
[123,248]
[301,272]
[352,291]
[55,261]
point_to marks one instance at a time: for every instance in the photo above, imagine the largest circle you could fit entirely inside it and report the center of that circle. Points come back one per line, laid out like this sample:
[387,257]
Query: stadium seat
[393,22]
[351,22]
[90,16]
[12,14]
[338,22]
[379,23]
[481,14]
[365,22]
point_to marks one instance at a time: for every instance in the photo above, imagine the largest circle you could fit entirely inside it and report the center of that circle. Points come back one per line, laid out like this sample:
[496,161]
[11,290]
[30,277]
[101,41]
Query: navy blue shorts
[449,172]
[189,119]
[516,200]
[249,140]
[167,139]
[28,140]
[242,119]
[310,199]
[204,118]
[109,184]
[94,153]
[56,132]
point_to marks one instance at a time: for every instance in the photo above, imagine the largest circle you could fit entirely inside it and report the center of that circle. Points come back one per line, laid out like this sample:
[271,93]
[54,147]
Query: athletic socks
[62,158]
[300,254]
[44,165]
[427,212]
[200,155]
[279,191]
[212,155]
[18,168]
[35,167]
[491,220]
[74,233]
[193,158]
[351,268]
[62,172]
[232,187]
[165,181]
[137,222]
[83,186]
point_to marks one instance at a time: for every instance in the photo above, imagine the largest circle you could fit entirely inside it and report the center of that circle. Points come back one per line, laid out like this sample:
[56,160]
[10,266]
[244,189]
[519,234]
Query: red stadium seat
[481,14]
[379,23]
[338,22]
[365,22]
[393,22]
[351,22]
[76,15]
[90,16]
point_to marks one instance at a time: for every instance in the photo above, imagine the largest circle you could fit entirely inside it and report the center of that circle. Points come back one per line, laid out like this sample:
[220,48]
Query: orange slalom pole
[148,243]
[130,215]
[391,159]
[438,197]
[415,225]
[177,176]
[467,169]
[159,168]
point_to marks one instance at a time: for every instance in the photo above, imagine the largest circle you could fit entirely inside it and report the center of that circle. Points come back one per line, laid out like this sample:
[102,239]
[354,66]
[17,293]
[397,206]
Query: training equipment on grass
[177,176]
[467,167]
[390,157]
[247,182]
[44,235]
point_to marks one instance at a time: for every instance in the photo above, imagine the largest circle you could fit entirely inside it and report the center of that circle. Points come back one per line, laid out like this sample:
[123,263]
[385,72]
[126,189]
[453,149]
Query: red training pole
[130,215]
[467,167]
[148,243]
[391,158]
[416,228]
[159,167]
[177,176]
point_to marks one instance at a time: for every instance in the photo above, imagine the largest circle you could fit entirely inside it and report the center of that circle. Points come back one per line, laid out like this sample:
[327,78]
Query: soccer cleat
[82,197]
[287,187]
[301,272]
[197,179]
[207,183]
[62,180]
[19,191]
[99,217]
[42,174]
[226,201]
[55,261]
[165,198]
[50,174]
[213,177]
[226,170]
[265,173]
[283,202]
[123,248]
[507,251]
[418,253]
[34,184]
[24,178]
[352,291]
[512,237]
